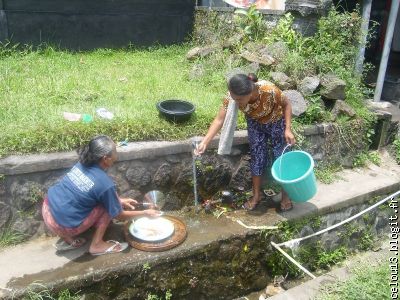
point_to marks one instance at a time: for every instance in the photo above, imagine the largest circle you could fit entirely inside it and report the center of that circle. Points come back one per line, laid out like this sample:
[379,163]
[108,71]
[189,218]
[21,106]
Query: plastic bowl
[176,110]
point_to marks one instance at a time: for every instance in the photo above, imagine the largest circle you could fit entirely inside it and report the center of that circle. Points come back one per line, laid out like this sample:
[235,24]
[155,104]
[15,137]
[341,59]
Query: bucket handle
[280,159]
[284,149]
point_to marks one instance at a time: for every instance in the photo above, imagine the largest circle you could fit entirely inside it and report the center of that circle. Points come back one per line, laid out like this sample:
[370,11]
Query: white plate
[152,229]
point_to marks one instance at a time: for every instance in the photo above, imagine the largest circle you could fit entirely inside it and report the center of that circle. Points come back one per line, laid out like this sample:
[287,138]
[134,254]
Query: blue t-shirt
[73,198]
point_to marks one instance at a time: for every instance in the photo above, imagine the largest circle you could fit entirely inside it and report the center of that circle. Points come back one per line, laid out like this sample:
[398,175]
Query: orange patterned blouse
[268,106]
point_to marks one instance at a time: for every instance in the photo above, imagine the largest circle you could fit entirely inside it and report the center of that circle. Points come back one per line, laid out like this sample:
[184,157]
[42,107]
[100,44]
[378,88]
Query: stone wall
[144,166]
[217,18]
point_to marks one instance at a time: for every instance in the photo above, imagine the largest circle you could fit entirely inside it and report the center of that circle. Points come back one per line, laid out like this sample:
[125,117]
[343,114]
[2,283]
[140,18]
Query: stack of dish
[152,229]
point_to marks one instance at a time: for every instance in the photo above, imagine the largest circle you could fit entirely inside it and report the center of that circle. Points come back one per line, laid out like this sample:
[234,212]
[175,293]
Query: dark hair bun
[253,77]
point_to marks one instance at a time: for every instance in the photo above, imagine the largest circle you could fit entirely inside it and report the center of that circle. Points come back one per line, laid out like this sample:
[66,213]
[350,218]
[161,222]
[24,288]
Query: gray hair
[97,148]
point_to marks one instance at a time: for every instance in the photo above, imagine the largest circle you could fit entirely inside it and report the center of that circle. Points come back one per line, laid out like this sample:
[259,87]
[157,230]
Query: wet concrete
[37,261]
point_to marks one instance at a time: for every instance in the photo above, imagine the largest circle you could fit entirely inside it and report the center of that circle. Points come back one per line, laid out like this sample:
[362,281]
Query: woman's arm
[128,210]
[287,114]
[129,214]
[215,127]
[127,203]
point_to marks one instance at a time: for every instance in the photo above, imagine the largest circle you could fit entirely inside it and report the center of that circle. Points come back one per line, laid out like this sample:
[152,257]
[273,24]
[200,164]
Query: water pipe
[386,50]
[296,241]
[293,260]
[366,12]
[391,197]
[257,227]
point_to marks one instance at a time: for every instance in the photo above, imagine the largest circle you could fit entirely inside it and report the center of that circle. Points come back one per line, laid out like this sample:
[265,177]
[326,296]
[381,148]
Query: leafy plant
[396,145]
[296,66]
[251,23]
[283,31]
[315,112]
[328,258]
[9,237]
[151,296]
[366,240]
[360,160]
[168,296]
[374,157]
[363,158]
[327,173]
[146,267]
[337,38]
[38,291]
[369,135]
[36,194]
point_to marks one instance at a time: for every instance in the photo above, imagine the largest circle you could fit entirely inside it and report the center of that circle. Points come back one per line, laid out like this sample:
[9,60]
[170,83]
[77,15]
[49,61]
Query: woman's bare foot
[102,246]
[76,242]
[286,203]
[111,247]
[252,203]
[69,243]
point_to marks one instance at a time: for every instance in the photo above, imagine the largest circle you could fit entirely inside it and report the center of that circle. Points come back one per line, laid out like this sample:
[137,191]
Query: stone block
[5,214]
[311,130]
[138,176]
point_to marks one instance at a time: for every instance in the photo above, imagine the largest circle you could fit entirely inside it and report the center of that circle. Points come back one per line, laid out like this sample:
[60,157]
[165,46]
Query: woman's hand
[200,149]
[289,137]
[215,126]
[128,203]
[152,212]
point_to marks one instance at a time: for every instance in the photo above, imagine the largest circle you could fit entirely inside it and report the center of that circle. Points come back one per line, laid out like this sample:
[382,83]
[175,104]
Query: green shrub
[284,32]
[327,173]
[361,159]
[315,112]
[396,145]
[37,291]
[251,23]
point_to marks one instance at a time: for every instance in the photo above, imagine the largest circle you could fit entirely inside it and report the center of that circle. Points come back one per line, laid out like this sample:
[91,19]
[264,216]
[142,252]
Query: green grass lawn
[36,87]
[367,282]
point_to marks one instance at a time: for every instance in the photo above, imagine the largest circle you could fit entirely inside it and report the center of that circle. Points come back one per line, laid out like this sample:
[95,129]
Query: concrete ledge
[15,164]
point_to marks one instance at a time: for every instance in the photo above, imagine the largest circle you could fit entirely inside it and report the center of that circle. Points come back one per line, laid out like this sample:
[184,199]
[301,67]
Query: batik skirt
[266,141]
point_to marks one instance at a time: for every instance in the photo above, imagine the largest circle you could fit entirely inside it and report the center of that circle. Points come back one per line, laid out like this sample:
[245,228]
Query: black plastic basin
[176,110]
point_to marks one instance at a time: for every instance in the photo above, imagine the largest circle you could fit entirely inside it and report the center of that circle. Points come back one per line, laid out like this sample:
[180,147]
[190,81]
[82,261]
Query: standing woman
[268,114]
[86,196]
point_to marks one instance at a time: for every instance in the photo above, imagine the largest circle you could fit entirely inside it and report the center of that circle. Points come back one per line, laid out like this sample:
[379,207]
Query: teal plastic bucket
[294,171]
